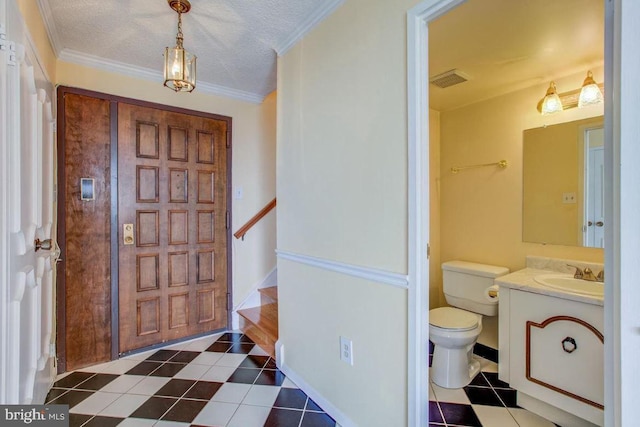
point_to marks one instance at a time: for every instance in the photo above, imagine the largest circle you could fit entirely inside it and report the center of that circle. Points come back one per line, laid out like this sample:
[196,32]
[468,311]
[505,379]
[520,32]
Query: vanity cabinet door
[557,353]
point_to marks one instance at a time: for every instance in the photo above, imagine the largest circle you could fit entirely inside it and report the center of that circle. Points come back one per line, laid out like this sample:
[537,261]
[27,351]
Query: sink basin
[566,282]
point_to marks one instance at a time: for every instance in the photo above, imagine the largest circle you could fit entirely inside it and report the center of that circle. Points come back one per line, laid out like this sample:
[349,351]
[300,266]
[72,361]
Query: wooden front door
[173,220]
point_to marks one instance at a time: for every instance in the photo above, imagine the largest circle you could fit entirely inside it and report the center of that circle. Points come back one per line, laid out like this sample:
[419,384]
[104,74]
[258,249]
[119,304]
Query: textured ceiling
[502,45]
[235,41]
[507,45]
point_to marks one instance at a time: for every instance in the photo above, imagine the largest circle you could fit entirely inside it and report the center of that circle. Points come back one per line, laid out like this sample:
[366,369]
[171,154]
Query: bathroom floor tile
[525,418]
[434,413]
[483,396]
[461,415]
[494,416]
[508,397]
[451,395]
[492,377]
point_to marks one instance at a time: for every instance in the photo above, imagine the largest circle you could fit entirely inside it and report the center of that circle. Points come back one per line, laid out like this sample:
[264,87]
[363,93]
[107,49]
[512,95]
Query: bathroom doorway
[419,19]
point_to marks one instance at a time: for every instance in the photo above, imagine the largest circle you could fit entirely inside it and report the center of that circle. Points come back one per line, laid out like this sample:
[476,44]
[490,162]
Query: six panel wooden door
[172,191]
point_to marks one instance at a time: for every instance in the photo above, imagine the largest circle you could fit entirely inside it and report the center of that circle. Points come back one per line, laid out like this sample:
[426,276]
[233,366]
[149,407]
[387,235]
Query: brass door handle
[590,223]
[599,224]
[42,244]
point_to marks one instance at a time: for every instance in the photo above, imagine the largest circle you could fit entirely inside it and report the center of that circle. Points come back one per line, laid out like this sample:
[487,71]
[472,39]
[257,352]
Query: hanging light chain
[179,36]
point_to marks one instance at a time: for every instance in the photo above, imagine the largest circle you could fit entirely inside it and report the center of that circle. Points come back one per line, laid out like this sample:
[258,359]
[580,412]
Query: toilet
[454,330]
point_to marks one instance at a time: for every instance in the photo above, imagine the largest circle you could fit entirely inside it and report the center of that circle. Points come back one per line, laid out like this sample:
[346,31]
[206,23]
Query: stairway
[261,323]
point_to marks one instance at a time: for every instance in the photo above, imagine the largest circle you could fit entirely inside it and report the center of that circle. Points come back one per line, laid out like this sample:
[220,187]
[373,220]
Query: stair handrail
[257,217]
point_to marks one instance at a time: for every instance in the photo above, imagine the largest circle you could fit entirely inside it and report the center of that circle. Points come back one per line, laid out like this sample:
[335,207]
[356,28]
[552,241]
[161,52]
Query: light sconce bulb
[551,103]
[590,93]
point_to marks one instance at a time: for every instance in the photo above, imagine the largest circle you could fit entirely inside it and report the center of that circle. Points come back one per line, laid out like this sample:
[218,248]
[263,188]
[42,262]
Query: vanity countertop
[524,280]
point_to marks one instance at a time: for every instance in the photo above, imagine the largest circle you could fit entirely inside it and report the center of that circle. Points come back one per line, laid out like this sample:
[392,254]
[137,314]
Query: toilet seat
[453,319]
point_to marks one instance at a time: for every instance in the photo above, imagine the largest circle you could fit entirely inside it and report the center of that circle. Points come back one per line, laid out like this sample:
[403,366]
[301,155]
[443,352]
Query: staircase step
[269,294]
[261,325]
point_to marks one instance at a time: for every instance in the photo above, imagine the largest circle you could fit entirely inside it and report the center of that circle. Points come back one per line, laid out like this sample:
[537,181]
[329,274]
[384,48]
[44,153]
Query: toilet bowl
[454,330]
[453,333]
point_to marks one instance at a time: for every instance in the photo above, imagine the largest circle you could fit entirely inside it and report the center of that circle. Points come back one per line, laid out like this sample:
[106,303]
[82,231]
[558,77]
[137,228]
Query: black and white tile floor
[486,402]
[221,380]
[226,380]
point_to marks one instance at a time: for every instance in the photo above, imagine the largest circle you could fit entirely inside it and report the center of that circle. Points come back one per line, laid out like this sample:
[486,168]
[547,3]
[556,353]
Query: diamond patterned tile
[244,375]
[175,388]
[279,417]
[203,390]
[154,408]
[226,380]
[184,410]
[291,398]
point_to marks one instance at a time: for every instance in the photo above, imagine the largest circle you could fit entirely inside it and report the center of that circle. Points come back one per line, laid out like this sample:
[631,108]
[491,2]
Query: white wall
[342,196]
[253,159]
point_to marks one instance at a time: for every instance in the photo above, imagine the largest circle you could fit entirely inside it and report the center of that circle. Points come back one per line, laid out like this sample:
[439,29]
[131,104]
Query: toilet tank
[465,286]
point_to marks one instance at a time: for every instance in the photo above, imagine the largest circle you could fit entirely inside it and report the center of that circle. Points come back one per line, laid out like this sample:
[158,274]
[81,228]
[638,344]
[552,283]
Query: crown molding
[94,61]
[50,26]
[307,25]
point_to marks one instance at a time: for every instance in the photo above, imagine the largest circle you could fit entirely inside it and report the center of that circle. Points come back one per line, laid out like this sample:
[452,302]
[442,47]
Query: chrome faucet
[587,274]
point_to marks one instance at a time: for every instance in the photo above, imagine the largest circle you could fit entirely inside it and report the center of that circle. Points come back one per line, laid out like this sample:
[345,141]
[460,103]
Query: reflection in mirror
[563,184]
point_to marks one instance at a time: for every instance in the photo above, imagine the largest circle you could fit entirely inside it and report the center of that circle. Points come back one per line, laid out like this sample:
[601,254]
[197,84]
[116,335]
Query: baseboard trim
[380,276]
[341,419]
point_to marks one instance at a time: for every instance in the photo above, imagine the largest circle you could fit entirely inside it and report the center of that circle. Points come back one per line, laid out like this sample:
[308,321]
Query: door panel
[85,232]
[172,189]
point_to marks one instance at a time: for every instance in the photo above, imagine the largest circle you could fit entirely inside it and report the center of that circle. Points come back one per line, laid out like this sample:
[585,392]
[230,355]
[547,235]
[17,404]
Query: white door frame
[622,131]
[418,187]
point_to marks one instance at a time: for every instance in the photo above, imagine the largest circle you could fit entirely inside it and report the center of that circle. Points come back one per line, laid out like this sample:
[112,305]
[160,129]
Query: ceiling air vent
[448,78]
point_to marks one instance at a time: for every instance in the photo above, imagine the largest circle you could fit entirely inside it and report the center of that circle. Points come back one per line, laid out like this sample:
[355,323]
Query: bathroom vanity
[551,343]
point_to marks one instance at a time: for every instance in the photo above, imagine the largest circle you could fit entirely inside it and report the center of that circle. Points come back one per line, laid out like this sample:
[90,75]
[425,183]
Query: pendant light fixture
[179,65]
[551,102]
[590,93]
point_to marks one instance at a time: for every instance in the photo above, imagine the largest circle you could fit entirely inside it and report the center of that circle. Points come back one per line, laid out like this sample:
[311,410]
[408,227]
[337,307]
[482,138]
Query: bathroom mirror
[563,184]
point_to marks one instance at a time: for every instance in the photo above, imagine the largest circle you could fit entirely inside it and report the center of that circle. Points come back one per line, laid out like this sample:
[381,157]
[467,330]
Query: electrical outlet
[346,350]
[569,198]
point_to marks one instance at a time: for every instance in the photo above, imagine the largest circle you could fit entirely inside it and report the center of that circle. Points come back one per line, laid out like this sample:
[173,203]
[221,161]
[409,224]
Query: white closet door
[27,216]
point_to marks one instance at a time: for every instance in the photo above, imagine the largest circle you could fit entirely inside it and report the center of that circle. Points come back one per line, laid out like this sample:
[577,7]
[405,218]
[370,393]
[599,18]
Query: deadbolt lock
[128,234]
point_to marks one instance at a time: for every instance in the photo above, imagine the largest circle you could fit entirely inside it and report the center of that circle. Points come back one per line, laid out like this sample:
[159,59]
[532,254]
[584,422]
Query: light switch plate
[238,192]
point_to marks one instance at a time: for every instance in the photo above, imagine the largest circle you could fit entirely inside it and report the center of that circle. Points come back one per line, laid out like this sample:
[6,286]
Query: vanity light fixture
[551,102]
[179,65]
[590,93]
